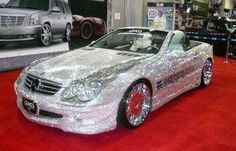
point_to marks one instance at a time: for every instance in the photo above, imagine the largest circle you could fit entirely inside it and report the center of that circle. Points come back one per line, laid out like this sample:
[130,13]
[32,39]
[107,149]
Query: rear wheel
[67,34]
[86,30]
[206,73]
[46,35]
[135,105]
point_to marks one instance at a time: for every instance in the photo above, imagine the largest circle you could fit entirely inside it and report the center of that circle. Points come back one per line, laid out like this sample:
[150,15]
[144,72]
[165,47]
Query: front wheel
[46,35]
[67,34]
[86,30]
[206,73]
[135,105]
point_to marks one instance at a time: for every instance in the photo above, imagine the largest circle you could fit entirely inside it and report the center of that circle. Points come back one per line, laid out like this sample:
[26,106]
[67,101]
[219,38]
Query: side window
[61,6]
[66,7]
[55,3]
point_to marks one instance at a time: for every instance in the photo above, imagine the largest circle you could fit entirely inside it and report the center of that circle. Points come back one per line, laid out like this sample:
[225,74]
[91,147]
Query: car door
[194,59]
[177,67]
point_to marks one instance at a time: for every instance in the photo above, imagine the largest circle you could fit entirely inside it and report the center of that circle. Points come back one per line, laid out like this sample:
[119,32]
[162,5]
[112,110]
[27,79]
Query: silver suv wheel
[67,35]
[46,36]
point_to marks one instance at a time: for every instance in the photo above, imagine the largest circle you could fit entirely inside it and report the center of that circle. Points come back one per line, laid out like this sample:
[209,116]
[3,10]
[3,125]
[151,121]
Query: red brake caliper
[136,102]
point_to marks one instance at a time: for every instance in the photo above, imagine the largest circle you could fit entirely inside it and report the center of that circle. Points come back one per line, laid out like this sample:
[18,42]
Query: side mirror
[2,5]
[55,10]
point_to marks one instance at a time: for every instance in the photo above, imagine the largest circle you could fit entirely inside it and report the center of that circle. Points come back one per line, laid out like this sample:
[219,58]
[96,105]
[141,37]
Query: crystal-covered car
[116,80]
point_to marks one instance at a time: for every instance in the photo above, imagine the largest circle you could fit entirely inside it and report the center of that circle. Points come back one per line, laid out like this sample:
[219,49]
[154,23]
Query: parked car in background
[88,27]
[42,20]
[117,80]
[216,31]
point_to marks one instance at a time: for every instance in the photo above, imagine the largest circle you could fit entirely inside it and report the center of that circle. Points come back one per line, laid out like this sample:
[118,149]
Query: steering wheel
[152,49]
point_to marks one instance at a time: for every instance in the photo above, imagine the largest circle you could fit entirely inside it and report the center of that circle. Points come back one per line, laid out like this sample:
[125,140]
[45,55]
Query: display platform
[13,57]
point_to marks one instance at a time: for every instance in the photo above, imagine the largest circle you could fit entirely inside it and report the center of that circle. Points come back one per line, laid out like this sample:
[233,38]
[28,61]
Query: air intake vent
[49,114]
[128,54]
[11,21]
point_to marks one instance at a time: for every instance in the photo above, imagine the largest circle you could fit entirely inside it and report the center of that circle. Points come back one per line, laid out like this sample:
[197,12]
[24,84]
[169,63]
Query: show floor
[203,119]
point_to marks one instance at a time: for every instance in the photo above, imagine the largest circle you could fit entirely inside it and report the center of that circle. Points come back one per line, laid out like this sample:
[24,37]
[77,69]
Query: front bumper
[20,33]
[83,120]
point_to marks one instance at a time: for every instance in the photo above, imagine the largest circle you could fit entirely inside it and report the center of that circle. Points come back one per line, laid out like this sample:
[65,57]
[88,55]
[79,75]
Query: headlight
[82,90]
[34,20]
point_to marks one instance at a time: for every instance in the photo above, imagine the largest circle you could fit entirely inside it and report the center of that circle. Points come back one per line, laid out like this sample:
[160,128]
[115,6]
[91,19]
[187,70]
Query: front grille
[11,21]
[49,114]
[43,86]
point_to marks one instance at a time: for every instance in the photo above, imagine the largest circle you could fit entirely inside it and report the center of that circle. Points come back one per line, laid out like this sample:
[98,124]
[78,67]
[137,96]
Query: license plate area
[29,105]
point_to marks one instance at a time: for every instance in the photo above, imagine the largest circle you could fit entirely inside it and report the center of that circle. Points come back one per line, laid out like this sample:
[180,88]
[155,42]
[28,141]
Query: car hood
[17,11]
[83,63]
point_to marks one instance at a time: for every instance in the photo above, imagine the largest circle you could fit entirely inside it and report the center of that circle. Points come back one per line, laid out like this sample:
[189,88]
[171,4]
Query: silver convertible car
[116,80]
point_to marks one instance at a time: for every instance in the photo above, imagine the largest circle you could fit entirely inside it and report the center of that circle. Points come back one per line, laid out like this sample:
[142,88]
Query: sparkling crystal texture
[81,91]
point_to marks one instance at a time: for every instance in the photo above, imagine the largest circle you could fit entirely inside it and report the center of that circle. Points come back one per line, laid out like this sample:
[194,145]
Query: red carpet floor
[199,120]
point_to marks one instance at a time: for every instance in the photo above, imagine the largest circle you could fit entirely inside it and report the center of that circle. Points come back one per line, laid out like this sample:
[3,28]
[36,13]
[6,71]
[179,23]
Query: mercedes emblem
[34,85]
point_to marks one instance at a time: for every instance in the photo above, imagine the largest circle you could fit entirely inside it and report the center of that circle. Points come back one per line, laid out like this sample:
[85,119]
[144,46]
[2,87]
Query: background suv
[43,20]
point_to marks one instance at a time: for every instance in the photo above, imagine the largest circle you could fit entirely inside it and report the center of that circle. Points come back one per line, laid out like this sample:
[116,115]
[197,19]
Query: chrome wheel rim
[46,35]
[68,32]
[86,30]
[138,104]
[207,72]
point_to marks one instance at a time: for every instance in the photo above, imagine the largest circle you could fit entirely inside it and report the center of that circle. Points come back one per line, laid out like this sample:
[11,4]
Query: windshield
[29,4]
[133,40]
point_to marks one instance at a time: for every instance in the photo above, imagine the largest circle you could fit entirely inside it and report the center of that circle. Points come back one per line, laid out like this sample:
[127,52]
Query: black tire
[86,30]
[45,37]
[67,34]
[140,108]
[206,76]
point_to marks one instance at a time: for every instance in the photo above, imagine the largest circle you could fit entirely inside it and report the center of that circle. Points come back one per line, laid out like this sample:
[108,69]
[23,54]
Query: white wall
[126,13]
[133,12]
[118,15]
